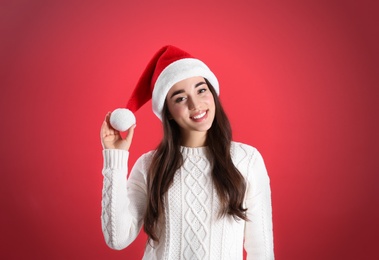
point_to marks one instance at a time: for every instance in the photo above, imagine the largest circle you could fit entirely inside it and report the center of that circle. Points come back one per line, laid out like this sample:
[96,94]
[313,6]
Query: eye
[179,99]
[202,90]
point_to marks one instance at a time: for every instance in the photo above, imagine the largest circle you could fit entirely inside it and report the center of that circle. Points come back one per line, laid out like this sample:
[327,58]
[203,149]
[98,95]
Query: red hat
[167,67]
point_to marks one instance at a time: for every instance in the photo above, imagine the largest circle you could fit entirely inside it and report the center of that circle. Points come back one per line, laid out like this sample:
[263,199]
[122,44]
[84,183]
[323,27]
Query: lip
[198,117]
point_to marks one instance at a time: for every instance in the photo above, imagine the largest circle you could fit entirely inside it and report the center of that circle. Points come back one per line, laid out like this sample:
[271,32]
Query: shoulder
[144,161]
[140,168]
[245,157]
[239,149]
[146,157]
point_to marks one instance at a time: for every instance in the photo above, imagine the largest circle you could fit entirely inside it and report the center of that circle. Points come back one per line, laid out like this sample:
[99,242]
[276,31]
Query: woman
[199,195]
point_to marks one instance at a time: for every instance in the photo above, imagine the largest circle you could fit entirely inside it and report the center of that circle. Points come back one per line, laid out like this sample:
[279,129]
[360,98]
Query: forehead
[186,83]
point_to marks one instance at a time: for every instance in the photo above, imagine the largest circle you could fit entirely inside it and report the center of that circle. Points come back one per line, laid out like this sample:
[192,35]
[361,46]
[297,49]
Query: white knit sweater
[191,228]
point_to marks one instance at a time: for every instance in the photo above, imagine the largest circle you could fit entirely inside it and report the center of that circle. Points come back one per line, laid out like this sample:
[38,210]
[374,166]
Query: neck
[194,139]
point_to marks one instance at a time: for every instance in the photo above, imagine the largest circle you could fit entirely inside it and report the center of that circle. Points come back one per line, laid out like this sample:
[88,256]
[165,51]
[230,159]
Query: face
[191,104]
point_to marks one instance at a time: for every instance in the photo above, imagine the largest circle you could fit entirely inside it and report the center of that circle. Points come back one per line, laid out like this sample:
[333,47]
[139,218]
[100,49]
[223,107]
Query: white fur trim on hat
[175,72]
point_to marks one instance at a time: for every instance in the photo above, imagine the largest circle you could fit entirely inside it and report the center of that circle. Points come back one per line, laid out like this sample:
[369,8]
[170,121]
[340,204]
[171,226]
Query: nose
[192,103]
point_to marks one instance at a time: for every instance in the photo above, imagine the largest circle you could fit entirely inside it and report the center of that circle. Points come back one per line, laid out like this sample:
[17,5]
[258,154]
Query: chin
[204,128]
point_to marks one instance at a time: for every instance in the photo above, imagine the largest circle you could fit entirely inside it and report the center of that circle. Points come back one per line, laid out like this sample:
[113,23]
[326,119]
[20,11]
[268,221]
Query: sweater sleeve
[258,229]
[123,200]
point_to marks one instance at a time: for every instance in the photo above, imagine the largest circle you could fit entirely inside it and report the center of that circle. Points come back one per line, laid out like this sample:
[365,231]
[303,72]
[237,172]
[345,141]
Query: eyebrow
[181,90]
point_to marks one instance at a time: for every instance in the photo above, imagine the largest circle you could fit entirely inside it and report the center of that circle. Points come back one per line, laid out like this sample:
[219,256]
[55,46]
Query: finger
[103,129]
[103,133]
[129,136]
[106,129]
[107,116]
[107,119]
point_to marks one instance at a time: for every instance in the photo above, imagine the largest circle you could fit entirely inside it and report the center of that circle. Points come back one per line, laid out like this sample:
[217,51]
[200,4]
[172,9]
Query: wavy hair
[167,159]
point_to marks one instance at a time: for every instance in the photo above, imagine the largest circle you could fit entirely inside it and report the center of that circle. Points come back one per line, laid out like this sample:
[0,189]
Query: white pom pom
[122,119]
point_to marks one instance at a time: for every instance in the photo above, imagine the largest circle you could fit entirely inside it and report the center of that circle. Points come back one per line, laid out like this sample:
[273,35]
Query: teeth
[199,116]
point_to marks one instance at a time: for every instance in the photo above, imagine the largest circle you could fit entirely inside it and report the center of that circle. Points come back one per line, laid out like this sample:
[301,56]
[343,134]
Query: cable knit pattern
[191,227]
[196,171]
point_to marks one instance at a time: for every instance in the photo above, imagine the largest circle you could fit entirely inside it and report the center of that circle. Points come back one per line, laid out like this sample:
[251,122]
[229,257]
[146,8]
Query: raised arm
[123,201]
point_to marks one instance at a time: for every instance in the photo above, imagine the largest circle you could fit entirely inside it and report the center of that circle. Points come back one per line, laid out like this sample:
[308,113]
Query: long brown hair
[167,159]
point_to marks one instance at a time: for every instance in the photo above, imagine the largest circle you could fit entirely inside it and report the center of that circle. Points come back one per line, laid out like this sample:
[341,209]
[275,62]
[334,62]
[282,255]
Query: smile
[199,116]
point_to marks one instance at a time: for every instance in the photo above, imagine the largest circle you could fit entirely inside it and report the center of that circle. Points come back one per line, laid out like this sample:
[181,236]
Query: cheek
[175,110]
[210,101]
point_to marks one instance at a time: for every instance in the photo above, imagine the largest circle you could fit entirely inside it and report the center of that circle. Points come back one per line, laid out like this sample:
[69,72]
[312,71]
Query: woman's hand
[112,139]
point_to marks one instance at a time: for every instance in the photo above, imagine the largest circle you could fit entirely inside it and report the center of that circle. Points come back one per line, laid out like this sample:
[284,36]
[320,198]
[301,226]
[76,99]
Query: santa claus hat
[167,67]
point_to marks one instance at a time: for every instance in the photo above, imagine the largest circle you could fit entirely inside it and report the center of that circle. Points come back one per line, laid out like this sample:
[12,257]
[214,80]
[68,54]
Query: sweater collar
[194,150]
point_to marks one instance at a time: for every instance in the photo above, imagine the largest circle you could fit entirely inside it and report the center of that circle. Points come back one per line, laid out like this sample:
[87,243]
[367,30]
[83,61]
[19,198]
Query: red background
[298,80]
